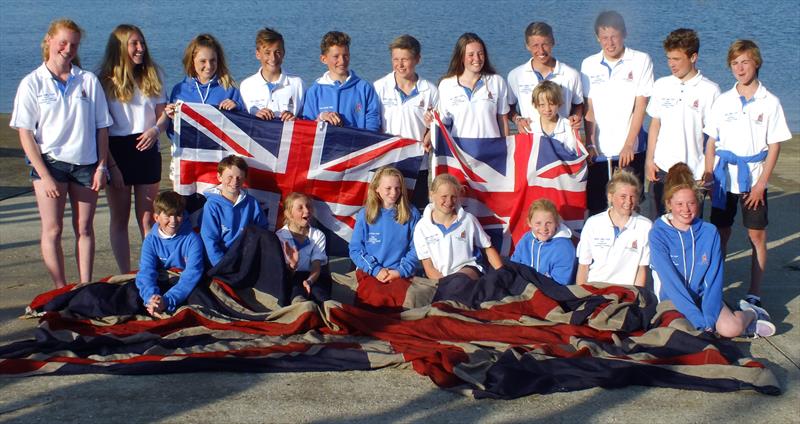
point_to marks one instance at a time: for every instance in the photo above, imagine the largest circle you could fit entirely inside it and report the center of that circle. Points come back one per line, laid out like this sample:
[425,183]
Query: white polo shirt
[286,94]
[473,116]
[683,108]
[312,250]
[450,250]
[563,132]
[614,259]
[63,124]
[523,79]
[404,116]
[135,116]
[613,89]
[746,129]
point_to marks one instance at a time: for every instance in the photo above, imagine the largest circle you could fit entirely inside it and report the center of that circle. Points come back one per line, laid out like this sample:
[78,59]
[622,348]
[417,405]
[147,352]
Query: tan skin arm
[431,271]
[588,129]
[493,257]
[576,115]
[641,276]
[650,168]
[711,151]
[756,196]
[582,276]
[34,155]
[637,119]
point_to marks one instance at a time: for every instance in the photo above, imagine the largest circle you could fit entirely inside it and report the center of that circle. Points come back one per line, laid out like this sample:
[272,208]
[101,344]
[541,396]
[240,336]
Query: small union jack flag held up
[504,175]
[331,165]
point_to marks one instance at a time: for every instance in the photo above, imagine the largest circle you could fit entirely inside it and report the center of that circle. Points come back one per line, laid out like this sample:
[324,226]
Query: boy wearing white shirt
[617,82]
[542,66]
[270,93]
[745,129]
[679,108]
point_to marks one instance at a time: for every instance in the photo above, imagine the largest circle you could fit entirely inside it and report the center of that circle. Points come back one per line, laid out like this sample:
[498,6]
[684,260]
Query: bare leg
[758,259]
[733,324]
[119,207]
[51,211]
[84,203]
[144,195]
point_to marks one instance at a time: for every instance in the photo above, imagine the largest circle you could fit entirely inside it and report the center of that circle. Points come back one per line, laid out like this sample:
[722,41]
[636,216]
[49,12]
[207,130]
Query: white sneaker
[761,313]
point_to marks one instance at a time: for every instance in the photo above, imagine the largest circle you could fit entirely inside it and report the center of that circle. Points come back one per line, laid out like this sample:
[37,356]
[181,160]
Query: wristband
[158,130]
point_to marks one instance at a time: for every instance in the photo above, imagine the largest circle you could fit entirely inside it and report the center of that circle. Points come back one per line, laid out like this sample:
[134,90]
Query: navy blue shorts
[64,172]
[753,219]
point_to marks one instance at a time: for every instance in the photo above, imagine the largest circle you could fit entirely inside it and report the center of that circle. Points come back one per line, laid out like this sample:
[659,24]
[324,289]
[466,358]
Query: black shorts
[597,180]
[64,172]
[137,167]
[754,219]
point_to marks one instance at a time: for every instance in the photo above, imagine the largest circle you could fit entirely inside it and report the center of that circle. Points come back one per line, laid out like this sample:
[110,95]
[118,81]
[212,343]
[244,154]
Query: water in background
[372,24]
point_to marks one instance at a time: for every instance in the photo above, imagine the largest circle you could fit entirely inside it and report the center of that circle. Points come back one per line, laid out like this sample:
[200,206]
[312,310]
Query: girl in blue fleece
[207,80]
[381,245]
[339,97]
[170,244]
[548,247]
[228,209]
[687,260]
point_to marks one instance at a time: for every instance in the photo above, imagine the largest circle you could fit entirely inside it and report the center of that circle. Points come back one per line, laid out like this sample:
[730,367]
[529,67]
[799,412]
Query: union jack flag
[331,165]
[504,175]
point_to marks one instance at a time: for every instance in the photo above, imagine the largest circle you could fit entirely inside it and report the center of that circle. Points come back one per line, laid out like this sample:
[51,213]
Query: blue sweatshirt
[183,251]
[554,258]
[211,93]
[689,267]
[223,221]
[355,101]
[384,244]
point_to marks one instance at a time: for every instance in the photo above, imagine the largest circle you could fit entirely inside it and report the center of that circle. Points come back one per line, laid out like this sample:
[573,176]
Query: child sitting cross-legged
[170,244]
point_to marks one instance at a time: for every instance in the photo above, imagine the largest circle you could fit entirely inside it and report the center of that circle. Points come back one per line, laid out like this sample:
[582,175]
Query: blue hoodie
[212,91]
[223,221]
[355,101]
[183,251]
[689,267]
[384,244]
[554,258]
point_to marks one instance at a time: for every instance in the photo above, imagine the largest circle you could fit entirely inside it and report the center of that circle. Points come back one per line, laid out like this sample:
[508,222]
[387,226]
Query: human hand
[147,139]
[265,114]
[427,117]
[170,110]
[575,121]
[287,116]
[227,104]
[156,305]
[99,179]
[307,285]
[755,198]
[523,125]
[50,187]
[332,118]
[291,254]
[626,155]
[650,170]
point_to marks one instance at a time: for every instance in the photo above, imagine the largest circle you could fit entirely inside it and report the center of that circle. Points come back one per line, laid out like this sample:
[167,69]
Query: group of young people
[80,132]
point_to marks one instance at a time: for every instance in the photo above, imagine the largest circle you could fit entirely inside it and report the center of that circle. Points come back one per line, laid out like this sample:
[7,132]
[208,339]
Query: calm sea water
[372,24]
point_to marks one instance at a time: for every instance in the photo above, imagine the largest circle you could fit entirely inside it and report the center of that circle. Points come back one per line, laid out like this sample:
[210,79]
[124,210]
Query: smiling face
[300,213]
[63,47]
[168,224]
[205,64]
[404,63]
[445,199]
[389,190]
[230,182]
[612,41]
[541,48]
[474,57]
[684,207]
[681,65]
[136,48]
[624,199]
[337,58]
[547,108]
[744,68]
[543,225]
[270,55]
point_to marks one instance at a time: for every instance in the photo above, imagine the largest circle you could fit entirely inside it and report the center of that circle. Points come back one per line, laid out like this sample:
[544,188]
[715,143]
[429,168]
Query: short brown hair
[230,162]
[610,19]
[334,38]
[406,42]
[268,35]
[169,203]
[740,47]
[682,39]
[551,91]
[541,29]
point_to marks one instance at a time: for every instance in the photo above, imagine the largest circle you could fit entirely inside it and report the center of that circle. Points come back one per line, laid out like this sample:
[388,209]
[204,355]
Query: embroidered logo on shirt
[290,106]
[374,238]
[224,229]
[704,259]
[490,95]
[358,107]
[630,76]
[760,118]
[696,104]
[421,103]
[634,245]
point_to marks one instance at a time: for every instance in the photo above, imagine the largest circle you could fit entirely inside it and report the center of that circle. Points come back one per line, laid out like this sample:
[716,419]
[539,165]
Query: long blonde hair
[374,202]
[207,40]
[51,32]
[119,75]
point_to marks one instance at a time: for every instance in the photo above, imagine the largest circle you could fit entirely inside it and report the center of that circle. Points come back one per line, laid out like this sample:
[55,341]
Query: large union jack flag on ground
[332,165]
[504,175]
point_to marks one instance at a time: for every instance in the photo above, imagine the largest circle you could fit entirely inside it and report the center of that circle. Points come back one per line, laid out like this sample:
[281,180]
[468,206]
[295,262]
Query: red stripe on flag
[202,120]
[370,155]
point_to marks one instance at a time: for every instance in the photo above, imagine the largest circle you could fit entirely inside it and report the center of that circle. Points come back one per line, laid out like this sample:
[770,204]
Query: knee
[757,237]
[84,231]
[52,232]
[730,328]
